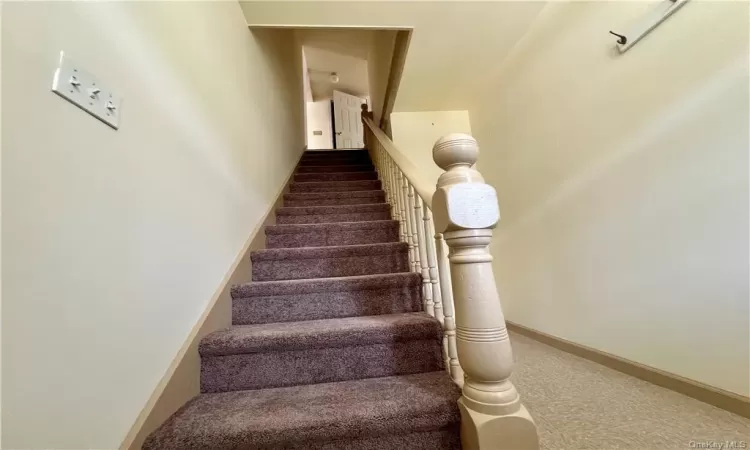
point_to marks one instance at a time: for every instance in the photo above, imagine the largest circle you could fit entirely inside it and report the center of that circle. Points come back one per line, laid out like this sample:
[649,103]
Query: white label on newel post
[473,205]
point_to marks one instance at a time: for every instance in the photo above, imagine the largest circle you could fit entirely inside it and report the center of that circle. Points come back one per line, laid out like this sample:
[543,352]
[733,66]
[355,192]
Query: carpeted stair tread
[326,298]
[318,162]
[335,168]
[336,176]
[331,209]
[327,160]
[335,186]
[336,284]
[314,417]
[362,158]
[331,234]
[277,254]
[340,332]
[326,152]
[359,156]
[333,198]
[327,214]
[336,195]
[325,262]
[301,228]
[319,351]
[329,348]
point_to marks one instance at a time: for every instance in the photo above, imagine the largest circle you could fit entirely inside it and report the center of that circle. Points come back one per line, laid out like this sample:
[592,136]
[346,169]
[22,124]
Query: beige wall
[414,134]
[453,45]
[319,119]
[622,178]
[623,185]
[114,242]
[379,68]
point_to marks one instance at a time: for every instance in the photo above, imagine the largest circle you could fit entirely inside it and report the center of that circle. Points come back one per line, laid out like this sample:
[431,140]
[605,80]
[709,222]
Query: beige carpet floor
[578,404]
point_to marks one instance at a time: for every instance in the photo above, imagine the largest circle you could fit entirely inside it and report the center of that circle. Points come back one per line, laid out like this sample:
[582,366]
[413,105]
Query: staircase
[329,348]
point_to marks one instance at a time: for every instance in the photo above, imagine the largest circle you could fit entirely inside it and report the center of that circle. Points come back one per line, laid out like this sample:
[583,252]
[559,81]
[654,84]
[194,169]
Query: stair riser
[335,155]
[446,439]
[312,366]
[335,152]
[332,218]
[325,305]
[325,238]
[305,162]
[336,186]
[292,269]
[334,201]
[336,168]
[341,176]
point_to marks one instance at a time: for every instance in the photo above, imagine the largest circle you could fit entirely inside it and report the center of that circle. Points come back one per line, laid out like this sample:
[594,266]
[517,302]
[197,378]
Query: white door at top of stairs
[347,118]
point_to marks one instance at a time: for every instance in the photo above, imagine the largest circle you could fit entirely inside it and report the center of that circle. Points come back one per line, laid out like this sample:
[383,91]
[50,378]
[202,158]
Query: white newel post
[465,211]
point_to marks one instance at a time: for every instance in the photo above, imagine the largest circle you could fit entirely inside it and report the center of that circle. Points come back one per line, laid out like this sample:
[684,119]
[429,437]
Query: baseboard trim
[708,394]
[181,381]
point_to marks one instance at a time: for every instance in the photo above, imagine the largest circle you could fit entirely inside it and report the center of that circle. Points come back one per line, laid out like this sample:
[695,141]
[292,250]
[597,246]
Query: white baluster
[429,304]
[466,211]
[395,213]
[408,213]
[446,291]
[432,271]
[402,209]
[383,171]
[412,204]
[375,158]
[396,189]
[378,155]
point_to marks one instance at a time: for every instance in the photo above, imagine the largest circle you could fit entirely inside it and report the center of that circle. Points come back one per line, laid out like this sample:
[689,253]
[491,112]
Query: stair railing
[458,285]
[411,206]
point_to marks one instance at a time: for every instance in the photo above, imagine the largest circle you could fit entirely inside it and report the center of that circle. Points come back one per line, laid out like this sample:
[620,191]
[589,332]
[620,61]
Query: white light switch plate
[84,90]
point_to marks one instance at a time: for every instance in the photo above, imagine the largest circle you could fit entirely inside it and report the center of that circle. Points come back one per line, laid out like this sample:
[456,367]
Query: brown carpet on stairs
[329,348]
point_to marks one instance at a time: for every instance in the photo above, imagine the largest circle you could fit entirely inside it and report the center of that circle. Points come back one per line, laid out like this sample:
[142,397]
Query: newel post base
[512,431]
[465,211]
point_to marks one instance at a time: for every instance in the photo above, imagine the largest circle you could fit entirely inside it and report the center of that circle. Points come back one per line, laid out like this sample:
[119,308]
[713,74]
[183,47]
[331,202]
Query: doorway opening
[340,75]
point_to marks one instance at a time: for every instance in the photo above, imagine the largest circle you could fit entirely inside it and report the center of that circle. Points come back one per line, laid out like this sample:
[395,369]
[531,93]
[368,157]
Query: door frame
[333,126]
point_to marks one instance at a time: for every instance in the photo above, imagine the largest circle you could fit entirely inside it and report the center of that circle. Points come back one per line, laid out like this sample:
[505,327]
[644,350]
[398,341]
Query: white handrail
[409,170]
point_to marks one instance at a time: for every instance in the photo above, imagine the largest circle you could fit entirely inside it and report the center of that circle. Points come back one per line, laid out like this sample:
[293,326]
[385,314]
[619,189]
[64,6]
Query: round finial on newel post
[456,154]
[455,150]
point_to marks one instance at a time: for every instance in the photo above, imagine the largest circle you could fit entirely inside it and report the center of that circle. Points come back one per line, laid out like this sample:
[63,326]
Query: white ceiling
[336,50]
[352,73]
[355,43]
[455,46]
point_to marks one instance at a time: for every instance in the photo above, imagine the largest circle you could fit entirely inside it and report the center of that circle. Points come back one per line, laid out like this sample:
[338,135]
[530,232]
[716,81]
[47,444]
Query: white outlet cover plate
[80,95]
